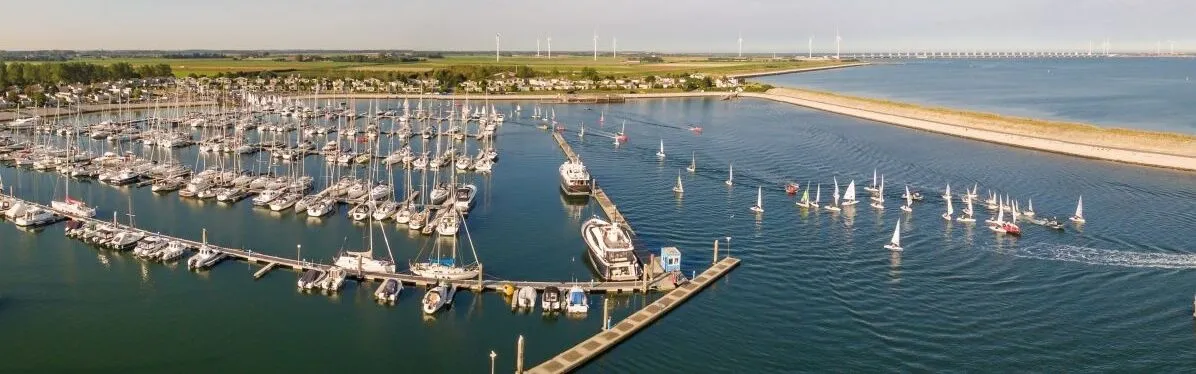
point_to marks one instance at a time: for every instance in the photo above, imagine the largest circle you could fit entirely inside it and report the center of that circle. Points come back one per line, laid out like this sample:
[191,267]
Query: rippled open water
[1143,93]
[815,292]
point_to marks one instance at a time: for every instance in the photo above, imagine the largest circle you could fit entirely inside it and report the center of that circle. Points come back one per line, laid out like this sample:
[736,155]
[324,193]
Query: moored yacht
[575,178]
[610,250]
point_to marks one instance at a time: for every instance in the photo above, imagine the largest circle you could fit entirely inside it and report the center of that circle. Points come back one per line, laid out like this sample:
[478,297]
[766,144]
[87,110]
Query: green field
[562,64]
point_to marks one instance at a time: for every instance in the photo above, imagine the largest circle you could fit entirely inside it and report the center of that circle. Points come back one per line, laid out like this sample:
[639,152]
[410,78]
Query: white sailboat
[1029,212]
[71,206]
[817,197]
[873,186]
[967,213]
[895,241]
[759,207]
[660,153]
[878,201]
[834,205]
[947,192]
[730,174]
[679,189]
[849,195]
[909,201]
[693,163]
[950,211]
[1079,216]
[999,224]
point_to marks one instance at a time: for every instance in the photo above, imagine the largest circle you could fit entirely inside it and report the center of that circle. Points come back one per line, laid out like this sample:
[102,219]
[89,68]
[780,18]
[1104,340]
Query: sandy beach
[1168,150]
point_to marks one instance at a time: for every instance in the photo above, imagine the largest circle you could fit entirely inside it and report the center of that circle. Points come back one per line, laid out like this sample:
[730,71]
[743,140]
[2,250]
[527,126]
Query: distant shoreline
[92,108]
[796,70]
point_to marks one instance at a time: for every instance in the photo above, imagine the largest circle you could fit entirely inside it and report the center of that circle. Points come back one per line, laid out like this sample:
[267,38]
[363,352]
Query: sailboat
[660,153]
[759,207]
[730,174]
[1029,212]
[947,192]
[364,261]
[1000,218]
[849,195]
[834,205]
[909,201]
[693,163]
[71,206]
[878,201]
[967,213]
[950,211]
[679,188]
[1079,217]
[817,197]
[805,198]
[895,241]
[439,266]
[873,186]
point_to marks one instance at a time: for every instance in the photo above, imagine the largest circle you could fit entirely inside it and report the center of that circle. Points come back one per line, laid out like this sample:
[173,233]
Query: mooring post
[715,252]
[605,313]
[519,356]
[480,272]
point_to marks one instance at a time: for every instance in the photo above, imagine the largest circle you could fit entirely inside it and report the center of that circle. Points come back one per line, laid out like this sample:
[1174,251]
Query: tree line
[46,74]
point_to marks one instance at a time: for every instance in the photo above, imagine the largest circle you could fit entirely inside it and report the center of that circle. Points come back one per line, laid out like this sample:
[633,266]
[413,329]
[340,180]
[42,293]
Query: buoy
[508,289]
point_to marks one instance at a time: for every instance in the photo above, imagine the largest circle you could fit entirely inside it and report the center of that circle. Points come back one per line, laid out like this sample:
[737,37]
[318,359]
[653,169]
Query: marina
[821,266]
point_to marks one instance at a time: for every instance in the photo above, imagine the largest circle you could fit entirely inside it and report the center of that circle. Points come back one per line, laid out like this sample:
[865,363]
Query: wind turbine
[537,47]
[741,44]
[810,48]
[595,45]
[838,41]
[497,45]
[614,47]
[549,47]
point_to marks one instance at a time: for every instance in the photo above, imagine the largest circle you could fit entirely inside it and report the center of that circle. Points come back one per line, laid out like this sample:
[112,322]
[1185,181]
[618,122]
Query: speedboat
[550,301]
[576,301]
[310,279]
[206,257]
[388,291]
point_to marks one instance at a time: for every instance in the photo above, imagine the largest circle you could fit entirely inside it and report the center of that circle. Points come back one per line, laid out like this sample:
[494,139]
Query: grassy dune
[1113,137]
[565,64]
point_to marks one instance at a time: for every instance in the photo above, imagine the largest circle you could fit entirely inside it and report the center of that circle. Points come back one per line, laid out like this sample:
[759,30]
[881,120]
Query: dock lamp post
[728,246]
[298,252]
[492,356]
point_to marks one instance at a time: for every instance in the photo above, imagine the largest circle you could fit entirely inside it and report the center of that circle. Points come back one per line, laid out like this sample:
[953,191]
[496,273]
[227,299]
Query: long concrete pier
[598,344]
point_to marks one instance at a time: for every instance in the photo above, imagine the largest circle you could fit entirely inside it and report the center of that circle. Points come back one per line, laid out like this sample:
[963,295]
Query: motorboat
[34,216]
[577,301]
[311,278]
[126,239]
[173,251]
[575,178]
[388,291]
[150,247]
[610,250]
[206,257]
[334,279]
[524,299]
[465,196]
[550,301]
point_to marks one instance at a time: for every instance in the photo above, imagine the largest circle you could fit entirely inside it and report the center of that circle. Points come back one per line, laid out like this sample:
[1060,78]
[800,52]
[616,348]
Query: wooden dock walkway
[608,206]
[587,350]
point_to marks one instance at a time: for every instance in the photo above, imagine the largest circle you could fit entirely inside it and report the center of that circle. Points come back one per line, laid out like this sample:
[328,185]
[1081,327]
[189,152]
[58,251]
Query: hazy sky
[670,26]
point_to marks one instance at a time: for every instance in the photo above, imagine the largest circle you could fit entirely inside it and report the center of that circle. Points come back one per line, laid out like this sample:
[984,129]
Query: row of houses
[498,84]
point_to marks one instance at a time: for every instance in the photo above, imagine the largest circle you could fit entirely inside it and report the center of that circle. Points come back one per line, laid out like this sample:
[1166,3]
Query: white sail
[849,193]
[760,197]
[1000,214]
[818,194]
[1080,207]
[730,174]
[896,240]
[835,197]
[947,193]
[873,177]
[950,209]
[909,199]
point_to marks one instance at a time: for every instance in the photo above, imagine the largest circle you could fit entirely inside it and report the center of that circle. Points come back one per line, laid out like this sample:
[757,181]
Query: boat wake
[1109,257]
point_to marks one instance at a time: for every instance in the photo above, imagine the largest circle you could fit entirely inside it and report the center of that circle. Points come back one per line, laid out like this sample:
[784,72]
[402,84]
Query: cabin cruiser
[33,217]
[125,240]
[610,250]
[575,178]
[205,258]
[465,196]
[173,251]
[150,247]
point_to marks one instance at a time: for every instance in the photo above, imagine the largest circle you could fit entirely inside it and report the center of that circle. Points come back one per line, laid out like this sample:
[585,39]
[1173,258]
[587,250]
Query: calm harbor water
[815,292]
[1143,93]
